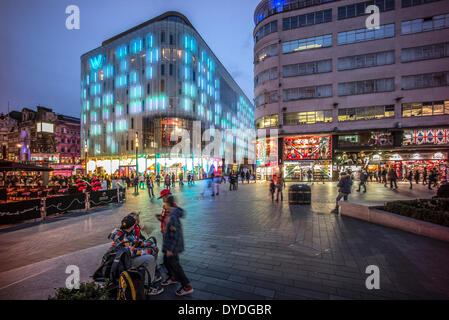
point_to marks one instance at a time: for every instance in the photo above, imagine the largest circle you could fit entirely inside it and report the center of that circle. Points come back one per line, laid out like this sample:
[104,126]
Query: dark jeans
[174,269]
[362,184]
[393,181]
[150,191]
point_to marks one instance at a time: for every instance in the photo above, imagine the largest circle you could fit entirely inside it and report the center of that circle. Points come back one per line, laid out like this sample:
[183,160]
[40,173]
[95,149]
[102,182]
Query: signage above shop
[308,148]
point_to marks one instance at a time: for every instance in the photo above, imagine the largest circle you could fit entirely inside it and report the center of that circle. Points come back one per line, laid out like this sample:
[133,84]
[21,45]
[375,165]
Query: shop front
[307,156]
[267,159]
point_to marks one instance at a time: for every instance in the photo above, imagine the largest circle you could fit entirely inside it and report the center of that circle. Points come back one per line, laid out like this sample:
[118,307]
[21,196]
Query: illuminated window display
[138,82]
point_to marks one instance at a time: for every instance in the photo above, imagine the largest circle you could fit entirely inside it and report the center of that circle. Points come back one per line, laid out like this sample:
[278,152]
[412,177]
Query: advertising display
[308,148]
[426,136]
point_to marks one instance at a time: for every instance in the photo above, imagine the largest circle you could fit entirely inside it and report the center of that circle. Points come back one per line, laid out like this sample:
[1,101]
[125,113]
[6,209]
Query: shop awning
[17,166]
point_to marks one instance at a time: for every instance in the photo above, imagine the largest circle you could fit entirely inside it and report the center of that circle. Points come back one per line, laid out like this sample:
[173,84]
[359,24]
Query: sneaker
[168,282]
[157,278]
[153,291]
[184,291]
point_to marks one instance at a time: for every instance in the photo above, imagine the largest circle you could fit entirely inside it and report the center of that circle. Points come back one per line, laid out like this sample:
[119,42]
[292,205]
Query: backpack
[131,285]
[113,263]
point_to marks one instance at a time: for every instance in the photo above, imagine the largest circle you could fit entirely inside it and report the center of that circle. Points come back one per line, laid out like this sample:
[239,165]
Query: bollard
[43,209]
[87,202]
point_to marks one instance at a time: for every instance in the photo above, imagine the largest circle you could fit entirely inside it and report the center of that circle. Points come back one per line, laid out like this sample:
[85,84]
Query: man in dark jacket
[173,245]
[393,177]
[384,176]
[363,179]
[344,189]
[417,176]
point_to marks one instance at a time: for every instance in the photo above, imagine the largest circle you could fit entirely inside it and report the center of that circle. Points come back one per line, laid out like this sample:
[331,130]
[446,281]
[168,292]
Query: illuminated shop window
[267,121]
[309,117]
[366,113]
[421,109]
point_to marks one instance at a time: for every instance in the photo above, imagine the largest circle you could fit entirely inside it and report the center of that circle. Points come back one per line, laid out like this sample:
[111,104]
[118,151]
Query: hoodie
[173,239]
[345,184]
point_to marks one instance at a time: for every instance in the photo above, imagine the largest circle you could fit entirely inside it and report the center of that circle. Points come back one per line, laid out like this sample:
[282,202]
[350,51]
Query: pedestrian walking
[217,182]
[417,176]
[247,176]
[424,176]
[279,188]
[272,189]
[150,187]
[344,189]
[181,178]
[393,177]
[384,176]
[432,179]
[173,245]
[309,175]
[363,179]
[410,177]
[158,180]
[167,181]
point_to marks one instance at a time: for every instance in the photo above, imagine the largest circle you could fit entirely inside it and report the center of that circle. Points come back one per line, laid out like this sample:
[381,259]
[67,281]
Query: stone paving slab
[240,245]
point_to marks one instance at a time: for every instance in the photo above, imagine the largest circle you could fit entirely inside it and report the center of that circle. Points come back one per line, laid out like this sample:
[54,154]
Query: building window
[307,44]
[265,30]
[266,98]
[427,80]
[163,37]
[411,3]
[362,35]
[267,121]
[418,109]
[358,9]
[307,19]
[365,87]
[171,69]
[433,51]
[309,117]
[268,51]
[162,85]
[171,39]
[366,60]
[366,113]
[307,68]
[162,69]
[265,76]
[425,24]
[307,93]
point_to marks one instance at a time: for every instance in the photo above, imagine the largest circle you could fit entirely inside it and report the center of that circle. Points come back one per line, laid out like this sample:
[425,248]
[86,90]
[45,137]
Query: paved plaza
[241,245]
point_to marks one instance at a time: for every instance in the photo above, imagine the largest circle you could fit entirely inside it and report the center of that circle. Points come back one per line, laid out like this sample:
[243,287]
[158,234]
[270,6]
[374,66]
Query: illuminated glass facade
[158,73]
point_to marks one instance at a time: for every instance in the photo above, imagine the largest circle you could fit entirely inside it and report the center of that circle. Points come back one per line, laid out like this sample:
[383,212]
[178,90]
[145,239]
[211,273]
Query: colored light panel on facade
[95,89]
[108,71]
[95,129]
[135,106]
[149,72]
[97,102]
[108,99]
[150,41]
[118,110]
[124,66]
[136,92]
[106,113]
[121,125]
[133,77]
[122,51]
[121,81]
[110,127]
[93,116]
[136,45]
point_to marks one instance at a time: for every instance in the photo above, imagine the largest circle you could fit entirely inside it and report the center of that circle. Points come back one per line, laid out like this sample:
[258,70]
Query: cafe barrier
[14,212]
[20,211]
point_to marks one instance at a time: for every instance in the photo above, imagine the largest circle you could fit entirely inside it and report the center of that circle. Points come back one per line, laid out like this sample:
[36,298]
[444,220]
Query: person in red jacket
[164,214]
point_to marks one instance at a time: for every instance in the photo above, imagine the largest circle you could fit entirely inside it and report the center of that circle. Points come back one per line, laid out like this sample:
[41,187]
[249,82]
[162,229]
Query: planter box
[392,220]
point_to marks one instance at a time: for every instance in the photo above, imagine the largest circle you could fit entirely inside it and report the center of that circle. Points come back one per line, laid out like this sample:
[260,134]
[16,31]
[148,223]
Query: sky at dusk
[40,58]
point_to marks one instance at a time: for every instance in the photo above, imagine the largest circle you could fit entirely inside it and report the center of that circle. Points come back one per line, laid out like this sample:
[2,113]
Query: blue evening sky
[40,58]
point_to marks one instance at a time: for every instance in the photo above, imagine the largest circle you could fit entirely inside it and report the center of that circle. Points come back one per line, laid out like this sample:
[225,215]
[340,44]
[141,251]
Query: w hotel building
[144,83]
[346,96]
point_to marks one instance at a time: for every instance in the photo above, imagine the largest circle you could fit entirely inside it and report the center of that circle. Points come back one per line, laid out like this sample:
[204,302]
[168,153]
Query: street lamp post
[137,164]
